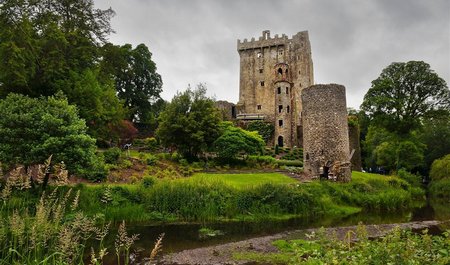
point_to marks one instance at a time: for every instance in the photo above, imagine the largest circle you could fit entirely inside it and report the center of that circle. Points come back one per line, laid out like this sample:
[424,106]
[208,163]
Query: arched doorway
[280,141]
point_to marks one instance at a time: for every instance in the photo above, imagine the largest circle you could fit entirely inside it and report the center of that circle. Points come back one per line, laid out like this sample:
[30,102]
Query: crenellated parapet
[266,41]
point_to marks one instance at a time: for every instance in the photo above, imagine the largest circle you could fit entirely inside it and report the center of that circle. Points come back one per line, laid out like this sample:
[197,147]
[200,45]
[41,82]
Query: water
[180,237]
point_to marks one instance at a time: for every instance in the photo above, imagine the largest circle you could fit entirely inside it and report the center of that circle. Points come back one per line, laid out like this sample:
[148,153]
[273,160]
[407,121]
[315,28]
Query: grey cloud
[352,41]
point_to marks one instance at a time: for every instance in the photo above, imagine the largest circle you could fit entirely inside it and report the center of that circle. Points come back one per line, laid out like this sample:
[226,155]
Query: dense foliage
[136,79]
[236,141]
[404,94]
[265,129]
[33,129]
[397,247]
[405,119]
[189,123]
[51,46]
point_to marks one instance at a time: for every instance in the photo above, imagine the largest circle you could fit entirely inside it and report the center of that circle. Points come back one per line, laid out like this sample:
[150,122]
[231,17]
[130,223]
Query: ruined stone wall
[325,127]
[227,109]
[260,80]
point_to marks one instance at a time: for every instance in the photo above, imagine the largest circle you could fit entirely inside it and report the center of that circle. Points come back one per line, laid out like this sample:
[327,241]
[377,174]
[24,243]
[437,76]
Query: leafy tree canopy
[136,80]
[32,129]
[235,141]
[405,93]
[190,122]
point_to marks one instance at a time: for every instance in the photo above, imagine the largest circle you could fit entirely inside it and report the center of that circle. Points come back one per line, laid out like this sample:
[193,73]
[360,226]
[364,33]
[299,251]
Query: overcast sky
[194,41]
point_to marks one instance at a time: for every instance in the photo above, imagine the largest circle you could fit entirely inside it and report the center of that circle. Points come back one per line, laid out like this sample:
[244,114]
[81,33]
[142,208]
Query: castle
[273,72]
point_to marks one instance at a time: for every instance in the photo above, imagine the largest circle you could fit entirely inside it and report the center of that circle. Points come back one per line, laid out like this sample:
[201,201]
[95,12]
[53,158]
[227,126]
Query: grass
[245,180]
[214,197]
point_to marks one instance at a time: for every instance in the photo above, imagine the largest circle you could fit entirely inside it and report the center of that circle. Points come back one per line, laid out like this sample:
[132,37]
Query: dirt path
[222,254]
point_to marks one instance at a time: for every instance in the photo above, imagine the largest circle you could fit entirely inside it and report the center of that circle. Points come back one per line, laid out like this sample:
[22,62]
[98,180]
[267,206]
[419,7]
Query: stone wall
[325,130]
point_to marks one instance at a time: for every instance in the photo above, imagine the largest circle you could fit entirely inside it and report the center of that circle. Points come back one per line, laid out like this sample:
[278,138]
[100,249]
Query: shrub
[32,129]
[151,159]
[440,169]
[148,181]
[151,143]
[112,155]
[412,179]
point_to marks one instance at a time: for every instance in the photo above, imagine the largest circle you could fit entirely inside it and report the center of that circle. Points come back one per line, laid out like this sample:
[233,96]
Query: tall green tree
[51,46]
[190,122]
[137,82]
[404,94]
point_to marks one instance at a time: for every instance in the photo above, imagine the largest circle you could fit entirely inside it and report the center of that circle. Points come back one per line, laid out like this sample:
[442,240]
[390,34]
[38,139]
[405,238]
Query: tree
[404,94]
[32,129]
[440,169]
[435,134]
[51,46]
[235,141]
[190,122]
[136,79]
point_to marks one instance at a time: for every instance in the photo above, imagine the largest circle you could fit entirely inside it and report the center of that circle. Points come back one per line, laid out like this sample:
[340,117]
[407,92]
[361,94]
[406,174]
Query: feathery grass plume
[156,249]
[106,196]
[123,242]
[61,174]
[68,243]
[18,178]
[75,201]
[17,227]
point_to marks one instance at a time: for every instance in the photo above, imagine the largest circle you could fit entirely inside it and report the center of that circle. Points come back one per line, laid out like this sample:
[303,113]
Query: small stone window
[279,90]
[280,71]
[261,71]
[280,123]
[286,71]
[287,90]
[280,108]
[280,52]
[261,83]
[287,109]
[259,106]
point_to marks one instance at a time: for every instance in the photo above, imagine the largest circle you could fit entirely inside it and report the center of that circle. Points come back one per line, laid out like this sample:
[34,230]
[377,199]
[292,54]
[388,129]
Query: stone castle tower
[273,72]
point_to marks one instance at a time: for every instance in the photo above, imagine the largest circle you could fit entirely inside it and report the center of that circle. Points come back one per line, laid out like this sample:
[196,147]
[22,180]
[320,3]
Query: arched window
[287,109]
[286,71]
[279,90]
[280,71]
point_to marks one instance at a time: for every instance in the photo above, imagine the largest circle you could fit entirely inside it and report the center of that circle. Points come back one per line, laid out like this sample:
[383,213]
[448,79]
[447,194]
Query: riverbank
[233,253]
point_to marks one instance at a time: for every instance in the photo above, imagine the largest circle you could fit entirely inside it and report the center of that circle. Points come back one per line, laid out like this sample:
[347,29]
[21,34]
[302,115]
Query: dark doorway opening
[280,141]
[326,171]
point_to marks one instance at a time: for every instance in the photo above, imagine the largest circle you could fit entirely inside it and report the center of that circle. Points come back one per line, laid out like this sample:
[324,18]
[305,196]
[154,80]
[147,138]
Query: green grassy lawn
[245,180]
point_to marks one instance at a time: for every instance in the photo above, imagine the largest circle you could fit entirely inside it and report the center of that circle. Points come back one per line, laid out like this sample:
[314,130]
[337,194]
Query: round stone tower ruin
[325,132]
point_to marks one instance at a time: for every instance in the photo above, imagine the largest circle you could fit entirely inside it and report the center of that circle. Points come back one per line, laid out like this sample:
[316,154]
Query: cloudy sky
[194,41]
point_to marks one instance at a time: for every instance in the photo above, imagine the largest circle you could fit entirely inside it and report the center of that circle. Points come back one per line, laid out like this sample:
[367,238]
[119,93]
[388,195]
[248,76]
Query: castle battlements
[266,41]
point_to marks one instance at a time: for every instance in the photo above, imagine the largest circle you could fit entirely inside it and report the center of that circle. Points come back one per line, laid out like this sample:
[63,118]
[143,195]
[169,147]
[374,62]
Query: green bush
[151,159]
[412,179]
[32,129]
[151,143]
[440,169]
[148,181]
[112,155]
[440,188]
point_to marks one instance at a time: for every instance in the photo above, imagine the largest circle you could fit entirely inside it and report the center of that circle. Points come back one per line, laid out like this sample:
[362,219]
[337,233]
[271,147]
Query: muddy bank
[222,254]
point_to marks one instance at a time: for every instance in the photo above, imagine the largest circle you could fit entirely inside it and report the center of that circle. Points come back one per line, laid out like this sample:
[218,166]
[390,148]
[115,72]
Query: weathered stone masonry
[273,71]
[325,130]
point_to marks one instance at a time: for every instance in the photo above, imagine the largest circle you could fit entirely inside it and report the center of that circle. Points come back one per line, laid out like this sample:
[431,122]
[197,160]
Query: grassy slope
[208,197]
[245,180]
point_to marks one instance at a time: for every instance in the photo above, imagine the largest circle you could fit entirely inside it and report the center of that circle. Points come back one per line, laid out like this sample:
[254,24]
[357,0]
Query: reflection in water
[186,236]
